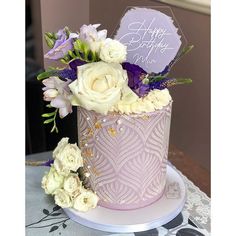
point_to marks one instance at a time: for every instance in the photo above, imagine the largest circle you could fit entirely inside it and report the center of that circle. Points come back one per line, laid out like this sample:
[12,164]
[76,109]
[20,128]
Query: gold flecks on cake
[98,125]
[89,132]
[87,153]
[95,172]
[112,132]
[145,117]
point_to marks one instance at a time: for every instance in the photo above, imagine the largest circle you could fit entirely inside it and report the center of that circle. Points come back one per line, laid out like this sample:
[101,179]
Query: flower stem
[54,122]
[44,226]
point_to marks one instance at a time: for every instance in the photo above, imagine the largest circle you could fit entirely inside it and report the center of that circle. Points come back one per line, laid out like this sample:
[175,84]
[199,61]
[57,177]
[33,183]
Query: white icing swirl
[155,100]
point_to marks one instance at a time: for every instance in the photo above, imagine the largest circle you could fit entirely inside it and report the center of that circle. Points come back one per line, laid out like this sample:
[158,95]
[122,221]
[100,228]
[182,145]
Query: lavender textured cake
[126,156]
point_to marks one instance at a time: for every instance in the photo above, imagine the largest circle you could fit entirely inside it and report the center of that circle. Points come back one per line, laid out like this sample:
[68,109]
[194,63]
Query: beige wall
[190,130]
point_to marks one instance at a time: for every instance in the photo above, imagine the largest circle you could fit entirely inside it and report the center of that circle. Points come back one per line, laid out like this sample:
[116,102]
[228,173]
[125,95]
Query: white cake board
[152,216]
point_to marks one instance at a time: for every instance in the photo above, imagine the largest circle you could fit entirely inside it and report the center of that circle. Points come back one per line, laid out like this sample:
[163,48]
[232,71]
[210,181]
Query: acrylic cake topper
[151,38]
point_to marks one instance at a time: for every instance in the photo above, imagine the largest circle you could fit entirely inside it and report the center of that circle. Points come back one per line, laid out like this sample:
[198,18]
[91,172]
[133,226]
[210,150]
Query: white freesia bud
[85,201]
[99,86]
[113,51]
[52,181]
[49,94]
[72,185]
[62,198]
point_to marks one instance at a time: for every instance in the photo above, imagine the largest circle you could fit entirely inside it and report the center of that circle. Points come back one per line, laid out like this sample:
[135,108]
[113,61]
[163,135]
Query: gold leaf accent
[94,170]
[82,143]
[98,125]
[112,132]
[87,152]
[90,132]
[145,117]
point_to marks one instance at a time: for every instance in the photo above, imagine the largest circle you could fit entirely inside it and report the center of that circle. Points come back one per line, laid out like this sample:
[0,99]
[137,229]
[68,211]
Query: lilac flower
[57,92]
[90,35]
[62,45]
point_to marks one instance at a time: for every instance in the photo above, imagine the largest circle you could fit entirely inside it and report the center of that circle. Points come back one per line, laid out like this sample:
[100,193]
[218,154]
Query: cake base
[160,212]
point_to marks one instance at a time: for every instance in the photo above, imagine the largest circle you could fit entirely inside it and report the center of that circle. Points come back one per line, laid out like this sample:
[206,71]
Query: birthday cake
[120,87]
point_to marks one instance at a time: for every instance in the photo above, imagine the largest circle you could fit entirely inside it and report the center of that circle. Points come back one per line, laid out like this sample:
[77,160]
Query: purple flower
[143,89]
[48,163]
[61,46]
[58,93]
[135,76]
[75,63]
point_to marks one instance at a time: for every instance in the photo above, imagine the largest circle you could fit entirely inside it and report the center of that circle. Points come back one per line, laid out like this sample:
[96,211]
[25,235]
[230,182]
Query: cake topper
[151,38]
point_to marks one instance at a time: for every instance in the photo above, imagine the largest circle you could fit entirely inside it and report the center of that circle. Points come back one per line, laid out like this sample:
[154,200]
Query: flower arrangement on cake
[96,77]
[109,92]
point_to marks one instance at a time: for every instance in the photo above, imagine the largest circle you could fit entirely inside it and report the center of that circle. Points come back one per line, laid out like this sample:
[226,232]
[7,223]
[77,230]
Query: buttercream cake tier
[126,156]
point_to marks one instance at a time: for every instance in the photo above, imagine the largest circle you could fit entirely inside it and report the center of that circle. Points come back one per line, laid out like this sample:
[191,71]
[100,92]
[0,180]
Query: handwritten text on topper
[151,38]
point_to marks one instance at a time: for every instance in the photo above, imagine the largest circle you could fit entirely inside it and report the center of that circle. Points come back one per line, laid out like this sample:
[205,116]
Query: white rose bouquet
[97,77]
[63,181]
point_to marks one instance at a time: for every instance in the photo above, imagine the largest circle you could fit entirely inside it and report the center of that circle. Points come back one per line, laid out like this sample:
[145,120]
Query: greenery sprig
[51,117]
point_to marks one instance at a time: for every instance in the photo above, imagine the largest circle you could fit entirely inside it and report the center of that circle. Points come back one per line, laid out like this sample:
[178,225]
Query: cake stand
[149,217]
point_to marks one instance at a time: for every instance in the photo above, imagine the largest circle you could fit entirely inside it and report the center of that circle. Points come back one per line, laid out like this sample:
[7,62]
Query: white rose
[68,159]
[62,198]
[99,86]
[113,51]
[60,146]
[72,185]
[60,168]
[52,181]
[85,201]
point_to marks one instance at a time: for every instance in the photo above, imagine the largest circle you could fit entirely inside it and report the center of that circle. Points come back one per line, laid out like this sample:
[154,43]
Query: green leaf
[94,56]
[67,30]
[184,80]
[48,121]
[71,54]
[155,78]
[176,81]
[50,42]
[49,35]
[78,45]
[49,106]
[63,61]
[54,128]
[86,51]
[46,74]
[48,114]
[183,52]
